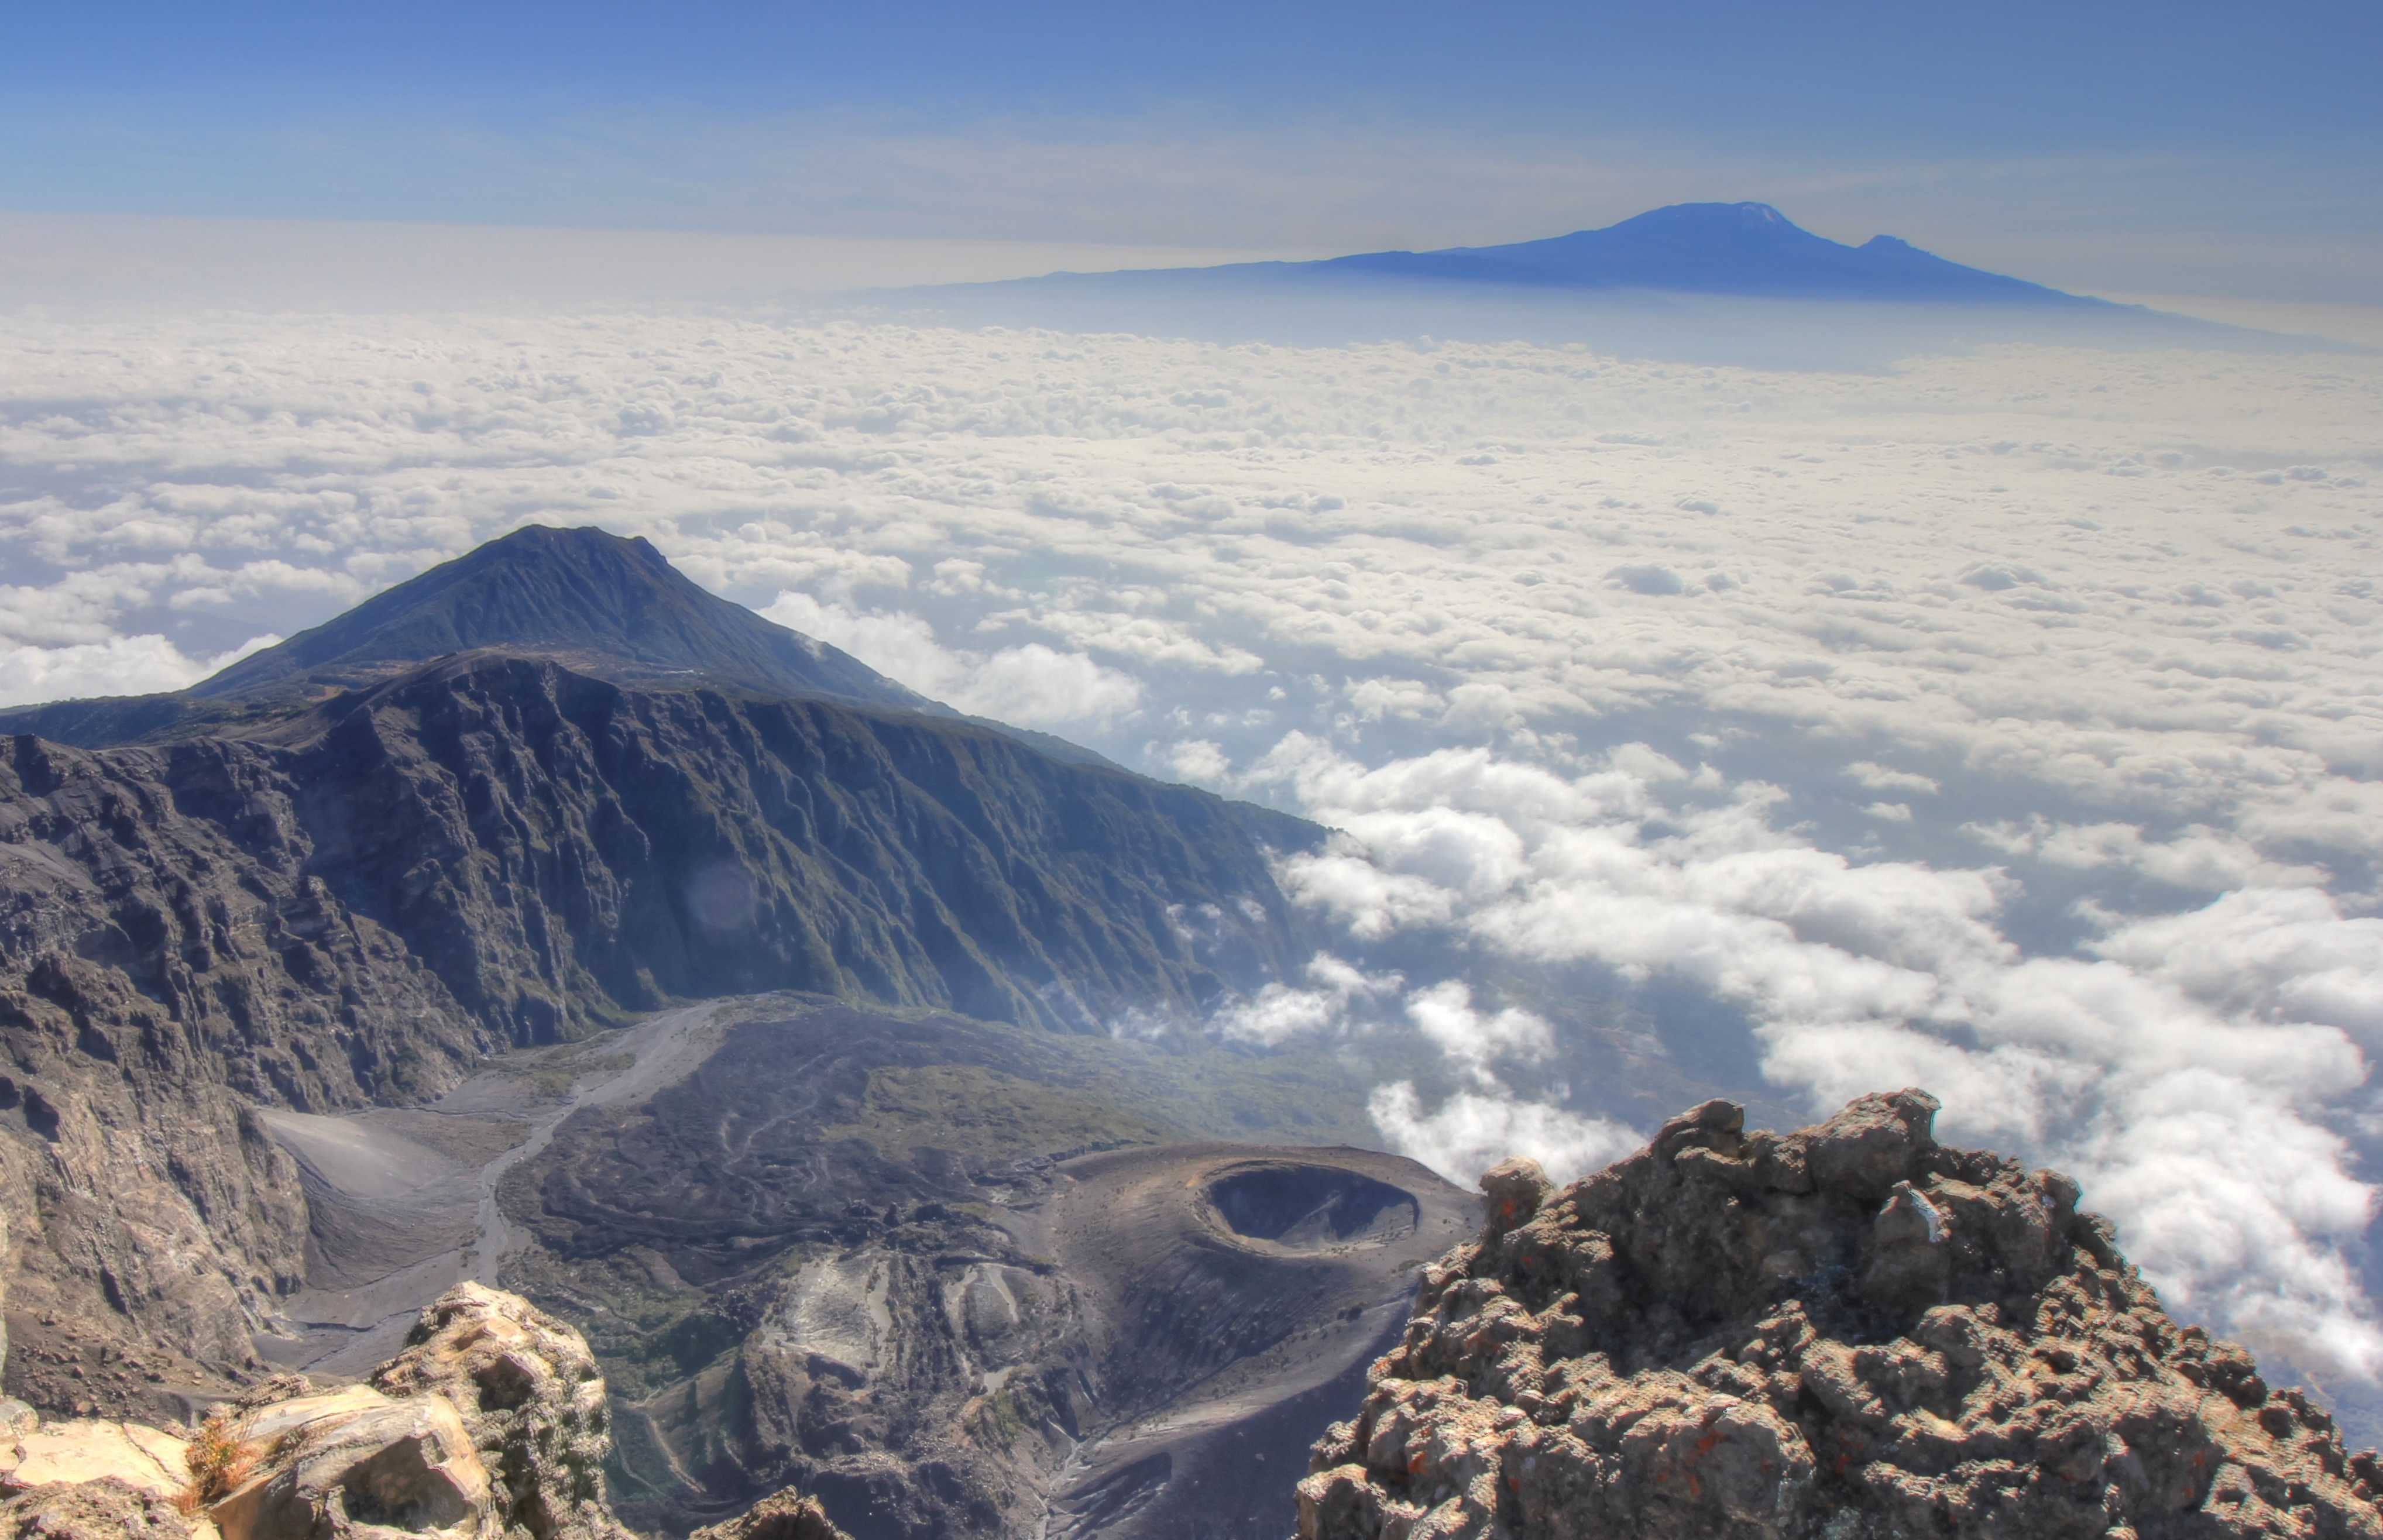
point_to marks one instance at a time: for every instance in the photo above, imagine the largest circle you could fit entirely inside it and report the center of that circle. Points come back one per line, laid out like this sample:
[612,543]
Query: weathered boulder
[1850,1332]
[51,1454]
[789,1515]
[489,1426]
[353,1463]
[529,1393]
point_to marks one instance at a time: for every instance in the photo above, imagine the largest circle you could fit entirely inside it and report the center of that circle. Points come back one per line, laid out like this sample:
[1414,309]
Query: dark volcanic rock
[1848,1332]
[557,848]
[604,604]
[495,851]
[164,954]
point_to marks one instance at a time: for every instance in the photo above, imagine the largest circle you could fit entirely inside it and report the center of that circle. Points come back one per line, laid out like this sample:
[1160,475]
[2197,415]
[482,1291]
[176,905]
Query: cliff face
[493,851]
[555,848]
[1848,1332]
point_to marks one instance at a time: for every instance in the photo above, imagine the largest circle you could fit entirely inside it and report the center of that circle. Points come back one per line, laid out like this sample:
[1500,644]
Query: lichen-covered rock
[530,1395]
[789,1515]
[1847,1333]
[107,1509]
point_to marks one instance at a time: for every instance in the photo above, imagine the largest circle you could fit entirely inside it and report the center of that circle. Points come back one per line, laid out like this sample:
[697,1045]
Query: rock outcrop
[1846,1333]
[67,1453]
[788,1516]
[314,1466]
[531,1398]
[489,1426]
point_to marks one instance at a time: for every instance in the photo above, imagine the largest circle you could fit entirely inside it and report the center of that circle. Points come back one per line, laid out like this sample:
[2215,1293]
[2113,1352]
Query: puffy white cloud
[2184,1071]
[2196,856]
[1198,761]
[1377,699]
[1471,1132]
[1474,1040]
[119,666]
[1885,778]
[1280,1012]
[2272,954]
[1032,685]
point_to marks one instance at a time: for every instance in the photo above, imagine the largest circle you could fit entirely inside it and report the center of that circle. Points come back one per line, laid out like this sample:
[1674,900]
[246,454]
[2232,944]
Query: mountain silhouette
[1694,283]
[1715,249]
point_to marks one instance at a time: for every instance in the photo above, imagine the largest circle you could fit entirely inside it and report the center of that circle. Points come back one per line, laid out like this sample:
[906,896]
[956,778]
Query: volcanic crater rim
[1296,1205]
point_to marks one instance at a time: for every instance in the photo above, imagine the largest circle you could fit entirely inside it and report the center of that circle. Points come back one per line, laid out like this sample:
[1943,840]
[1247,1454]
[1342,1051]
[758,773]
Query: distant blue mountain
[1706,283]
[1715,248]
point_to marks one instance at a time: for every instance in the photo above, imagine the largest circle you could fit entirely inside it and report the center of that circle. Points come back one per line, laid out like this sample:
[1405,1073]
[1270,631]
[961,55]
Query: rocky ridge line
[1846,1333]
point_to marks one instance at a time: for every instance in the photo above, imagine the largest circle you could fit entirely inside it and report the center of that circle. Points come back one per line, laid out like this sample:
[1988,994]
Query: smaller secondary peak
[600,603]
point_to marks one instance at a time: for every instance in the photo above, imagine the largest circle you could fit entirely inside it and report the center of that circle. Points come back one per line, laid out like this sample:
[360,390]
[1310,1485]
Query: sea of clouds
[2006,723]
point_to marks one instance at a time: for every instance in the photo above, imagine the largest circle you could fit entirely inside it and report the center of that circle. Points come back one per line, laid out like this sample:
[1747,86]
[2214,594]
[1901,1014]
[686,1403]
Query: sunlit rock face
[531,1401]
[490,1426]
[1847,1331]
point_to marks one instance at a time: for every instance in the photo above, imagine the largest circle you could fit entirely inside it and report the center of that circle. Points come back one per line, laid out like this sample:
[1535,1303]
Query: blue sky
[2156,148]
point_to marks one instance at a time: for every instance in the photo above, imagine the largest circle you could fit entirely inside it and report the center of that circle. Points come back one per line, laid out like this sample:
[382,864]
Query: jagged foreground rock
[1850,1332]
[531,1400]
[491,1425]
[788,1516]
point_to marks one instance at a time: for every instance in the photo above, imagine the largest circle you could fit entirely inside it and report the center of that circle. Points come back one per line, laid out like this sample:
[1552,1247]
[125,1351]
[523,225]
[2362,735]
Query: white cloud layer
[1471,1132]
[2007,723]
[2184,1068]
[1031,684]
[118,666]
[1281,1012]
